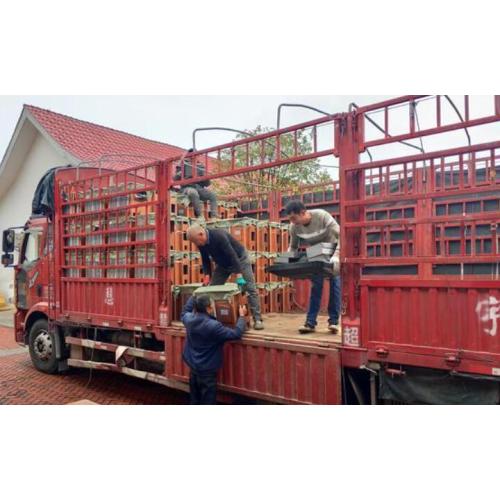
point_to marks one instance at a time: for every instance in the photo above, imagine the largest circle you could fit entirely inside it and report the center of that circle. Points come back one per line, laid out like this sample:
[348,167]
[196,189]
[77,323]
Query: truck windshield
[31,247]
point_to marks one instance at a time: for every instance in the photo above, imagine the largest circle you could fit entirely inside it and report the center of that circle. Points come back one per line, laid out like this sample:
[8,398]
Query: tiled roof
[89,142]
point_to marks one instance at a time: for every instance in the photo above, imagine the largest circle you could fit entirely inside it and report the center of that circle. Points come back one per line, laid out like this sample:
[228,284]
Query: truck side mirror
[7,259]
[8,241]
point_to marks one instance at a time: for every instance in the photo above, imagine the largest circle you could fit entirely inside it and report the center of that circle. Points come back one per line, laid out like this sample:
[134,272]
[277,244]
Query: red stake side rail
[420,243]
[254,154]
[260,153]
[411,129]
[112,249]
[421,251]
[270,204]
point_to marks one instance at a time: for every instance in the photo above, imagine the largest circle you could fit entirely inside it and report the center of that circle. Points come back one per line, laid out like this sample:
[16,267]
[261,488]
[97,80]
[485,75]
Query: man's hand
[206,280]
[335,262]
[243,311]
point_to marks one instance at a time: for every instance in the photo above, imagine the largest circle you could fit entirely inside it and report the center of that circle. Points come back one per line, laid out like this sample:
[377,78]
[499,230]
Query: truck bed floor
[286,326]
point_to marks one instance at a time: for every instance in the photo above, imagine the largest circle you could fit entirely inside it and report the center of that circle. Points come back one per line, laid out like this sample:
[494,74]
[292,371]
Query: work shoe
[333,328]
[258,325]
[307,328]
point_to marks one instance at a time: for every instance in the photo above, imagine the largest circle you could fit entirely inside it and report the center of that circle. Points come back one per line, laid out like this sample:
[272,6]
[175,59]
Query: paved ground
[7,318]
[7,339]
[20,383]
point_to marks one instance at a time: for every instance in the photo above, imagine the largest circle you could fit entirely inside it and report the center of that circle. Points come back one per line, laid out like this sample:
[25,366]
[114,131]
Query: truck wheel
[43,347]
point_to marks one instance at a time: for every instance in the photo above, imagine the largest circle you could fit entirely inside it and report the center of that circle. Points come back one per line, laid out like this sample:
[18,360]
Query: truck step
[129,351]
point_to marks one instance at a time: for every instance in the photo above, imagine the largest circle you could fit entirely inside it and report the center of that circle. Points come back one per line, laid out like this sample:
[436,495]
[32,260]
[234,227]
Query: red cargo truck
[420,266]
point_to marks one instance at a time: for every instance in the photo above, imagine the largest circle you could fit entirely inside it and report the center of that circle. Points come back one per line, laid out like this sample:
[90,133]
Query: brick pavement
[7,318]
[7,338]
[20,383]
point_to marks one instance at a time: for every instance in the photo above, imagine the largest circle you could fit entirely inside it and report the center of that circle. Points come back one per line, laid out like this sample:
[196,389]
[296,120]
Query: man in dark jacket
[203,349]
[230,257]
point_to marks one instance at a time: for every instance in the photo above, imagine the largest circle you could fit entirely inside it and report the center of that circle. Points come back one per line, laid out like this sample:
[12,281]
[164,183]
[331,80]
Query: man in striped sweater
[310,227]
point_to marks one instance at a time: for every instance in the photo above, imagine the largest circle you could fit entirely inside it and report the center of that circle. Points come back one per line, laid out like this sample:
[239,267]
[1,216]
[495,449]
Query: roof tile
[90,142]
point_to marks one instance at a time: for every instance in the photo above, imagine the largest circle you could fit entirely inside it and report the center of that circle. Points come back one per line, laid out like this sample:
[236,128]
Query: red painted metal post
[424,232]
[166,170]
[349,143]
[57,253]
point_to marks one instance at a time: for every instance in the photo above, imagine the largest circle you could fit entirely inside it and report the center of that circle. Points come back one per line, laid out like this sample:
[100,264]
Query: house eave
[9,163]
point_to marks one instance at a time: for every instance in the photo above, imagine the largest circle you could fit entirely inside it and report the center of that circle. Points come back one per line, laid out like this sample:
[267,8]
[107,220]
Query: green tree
[283,177]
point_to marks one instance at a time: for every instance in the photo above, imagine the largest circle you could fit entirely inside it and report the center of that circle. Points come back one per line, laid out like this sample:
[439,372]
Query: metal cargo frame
[111,228]
[400,218]
[97,216]
[270,206]
[261,366]
[421,244]
[233,158]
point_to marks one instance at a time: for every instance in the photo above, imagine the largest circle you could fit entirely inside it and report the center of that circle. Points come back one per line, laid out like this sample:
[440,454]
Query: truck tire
[42,345]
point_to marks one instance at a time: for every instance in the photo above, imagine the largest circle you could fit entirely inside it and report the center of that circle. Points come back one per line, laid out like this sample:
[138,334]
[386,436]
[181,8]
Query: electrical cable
[228,129]
[418,125]
[379,127]
[352,106]
[283,169]
[449,99]
[297,105]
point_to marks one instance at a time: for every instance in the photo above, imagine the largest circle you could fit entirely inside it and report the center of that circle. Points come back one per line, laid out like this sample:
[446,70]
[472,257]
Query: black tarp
[301,270]
[43,199]
[426,386]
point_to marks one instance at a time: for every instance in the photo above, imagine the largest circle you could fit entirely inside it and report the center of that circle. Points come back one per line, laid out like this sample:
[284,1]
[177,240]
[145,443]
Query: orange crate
[177,272]
[186,274]
[275,238]
[287,299]
[263,238]
[182,274]
[264,300]
[231,212]
[182,244]
[275,300]
[285,240]
[227,311]
[196,270]
[222,213]
[260,273]
[246,234]
[178,305]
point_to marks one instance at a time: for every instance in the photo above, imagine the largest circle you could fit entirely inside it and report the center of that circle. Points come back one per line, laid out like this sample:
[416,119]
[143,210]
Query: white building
[44,139]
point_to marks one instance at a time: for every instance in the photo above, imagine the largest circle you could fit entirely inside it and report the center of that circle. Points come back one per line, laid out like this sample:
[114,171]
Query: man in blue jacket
[203,349]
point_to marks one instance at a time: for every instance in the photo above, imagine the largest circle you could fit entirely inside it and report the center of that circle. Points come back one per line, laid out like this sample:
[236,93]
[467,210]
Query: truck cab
[31,275]
[28,249]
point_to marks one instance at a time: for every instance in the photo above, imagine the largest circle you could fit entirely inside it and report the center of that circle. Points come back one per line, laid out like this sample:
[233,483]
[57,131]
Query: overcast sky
[172,119]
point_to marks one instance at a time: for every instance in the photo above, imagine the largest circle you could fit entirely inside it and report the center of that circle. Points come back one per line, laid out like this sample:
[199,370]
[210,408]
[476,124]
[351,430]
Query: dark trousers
[220,276]
[197,195]
[315,300]
[203,388]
